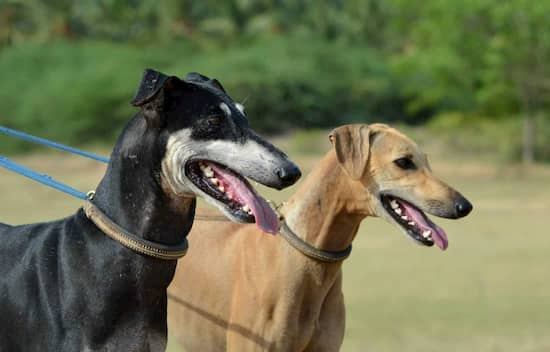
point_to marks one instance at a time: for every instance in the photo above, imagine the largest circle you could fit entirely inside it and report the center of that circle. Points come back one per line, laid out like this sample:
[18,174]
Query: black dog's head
[209,147]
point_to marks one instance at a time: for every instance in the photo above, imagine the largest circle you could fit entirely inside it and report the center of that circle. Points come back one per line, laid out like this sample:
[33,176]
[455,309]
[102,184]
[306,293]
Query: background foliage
[70,67]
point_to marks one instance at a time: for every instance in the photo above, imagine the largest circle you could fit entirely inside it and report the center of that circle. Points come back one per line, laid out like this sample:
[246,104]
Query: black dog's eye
[214,121]
[405,163]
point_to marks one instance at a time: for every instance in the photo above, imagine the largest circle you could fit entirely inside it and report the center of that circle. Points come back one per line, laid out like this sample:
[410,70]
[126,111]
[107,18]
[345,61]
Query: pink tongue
[266,219]
[438,234]
[440,237]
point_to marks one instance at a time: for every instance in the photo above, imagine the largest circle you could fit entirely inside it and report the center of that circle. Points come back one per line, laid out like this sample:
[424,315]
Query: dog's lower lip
[195,174]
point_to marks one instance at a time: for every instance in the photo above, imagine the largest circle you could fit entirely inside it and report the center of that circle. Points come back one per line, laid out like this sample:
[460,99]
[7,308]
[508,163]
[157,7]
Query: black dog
[66,286]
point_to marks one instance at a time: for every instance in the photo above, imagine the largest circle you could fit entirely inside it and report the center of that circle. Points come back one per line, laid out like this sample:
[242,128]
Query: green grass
[490,291]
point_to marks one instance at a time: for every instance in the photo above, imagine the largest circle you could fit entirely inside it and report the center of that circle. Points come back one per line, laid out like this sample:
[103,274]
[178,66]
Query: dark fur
[66,286]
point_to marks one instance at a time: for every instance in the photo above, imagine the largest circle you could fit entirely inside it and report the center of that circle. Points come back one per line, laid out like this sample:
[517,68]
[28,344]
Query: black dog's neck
[130,192]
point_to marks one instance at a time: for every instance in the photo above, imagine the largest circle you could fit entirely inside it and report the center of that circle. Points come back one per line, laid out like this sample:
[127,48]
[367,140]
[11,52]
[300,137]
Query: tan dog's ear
[352,146]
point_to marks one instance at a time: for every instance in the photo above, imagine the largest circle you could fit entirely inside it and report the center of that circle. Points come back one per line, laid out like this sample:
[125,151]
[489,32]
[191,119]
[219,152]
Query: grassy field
[490,291]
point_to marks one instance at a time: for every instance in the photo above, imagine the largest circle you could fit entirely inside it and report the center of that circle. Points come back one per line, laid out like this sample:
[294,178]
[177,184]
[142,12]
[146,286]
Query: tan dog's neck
[329,206]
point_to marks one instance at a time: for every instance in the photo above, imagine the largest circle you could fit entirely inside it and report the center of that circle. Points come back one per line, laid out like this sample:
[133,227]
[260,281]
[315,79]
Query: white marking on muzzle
[225,109]
[248,158]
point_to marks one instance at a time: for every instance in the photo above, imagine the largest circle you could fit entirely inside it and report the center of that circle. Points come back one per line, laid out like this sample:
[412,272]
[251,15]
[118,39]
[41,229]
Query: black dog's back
[28,279]
[16,239]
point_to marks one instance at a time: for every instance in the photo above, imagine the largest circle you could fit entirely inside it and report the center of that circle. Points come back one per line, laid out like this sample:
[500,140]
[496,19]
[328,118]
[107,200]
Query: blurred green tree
[398,57]
[516,75]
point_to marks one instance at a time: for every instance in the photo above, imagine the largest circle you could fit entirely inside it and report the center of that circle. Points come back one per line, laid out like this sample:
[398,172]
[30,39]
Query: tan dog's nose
[463,207]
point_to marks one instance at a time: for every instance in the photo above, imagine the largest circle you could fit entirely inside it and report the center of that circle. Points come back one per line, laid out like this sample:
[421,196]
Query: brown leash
[129,240]
[211,218]
[295,241]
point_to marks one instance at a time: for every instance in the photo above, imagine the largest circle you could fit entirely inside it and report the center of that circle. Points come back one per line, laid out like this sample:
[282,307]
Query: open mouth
[415,223]
[233,192]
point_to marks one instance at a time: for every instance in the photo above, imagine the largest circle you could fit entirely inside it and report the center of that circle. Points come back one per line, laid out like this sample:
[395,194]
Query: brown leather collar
[129,240]
[310,251]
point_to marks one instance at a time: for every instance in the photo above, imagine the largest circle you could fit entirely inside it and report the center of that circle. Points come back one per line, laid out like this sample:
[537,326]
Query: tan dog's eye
[405,163]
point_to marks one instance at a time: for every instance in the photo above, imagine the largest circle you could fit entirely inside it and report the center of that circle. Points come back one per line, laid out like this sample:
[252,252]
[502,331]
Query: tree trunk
[528,138]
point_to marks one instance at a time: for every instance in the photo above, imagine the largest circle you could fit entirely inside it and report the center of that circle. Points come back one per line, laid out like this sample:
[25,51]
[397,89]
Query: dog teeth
[397,211]
[394,204]
[214,180]
[404,217]
[222,189]
[208,171]
[412,223]
[427,234]
[247,209]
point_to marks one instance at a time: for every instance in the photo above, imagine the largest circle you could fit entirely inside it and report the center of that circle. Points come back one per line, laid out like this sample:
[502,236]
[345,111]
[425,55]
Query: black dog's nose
[463,207]
[288,174]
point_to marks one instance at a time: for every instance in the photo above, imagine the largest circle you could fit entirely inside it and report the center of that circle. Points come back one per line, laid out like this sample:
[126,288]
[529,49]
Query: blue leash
[51,144]
[43,178]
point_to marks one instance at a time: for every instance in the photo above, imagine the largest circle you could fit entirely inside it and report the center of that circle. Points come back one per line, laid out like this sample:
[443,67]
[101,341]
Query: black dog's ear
[195,77]
[215,83]
[150,85]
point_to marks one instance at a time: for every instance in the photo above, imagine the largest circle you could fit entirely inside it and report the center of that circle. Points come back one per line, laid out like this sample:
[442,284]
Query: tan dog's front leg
[257,327]
[239,342]
[247,323]
[329,334]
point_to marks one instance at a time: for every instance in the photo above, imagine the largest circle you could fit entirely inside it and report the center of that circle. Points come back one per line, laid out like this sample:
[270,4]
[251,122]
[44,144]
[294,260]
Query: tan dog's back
[242,295]
[203,307]
[202,295]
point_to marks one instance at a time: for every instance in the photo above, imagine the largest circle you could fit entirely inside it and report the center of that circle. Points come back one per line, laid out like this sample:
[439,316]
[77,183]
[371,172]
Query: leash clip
[276,207]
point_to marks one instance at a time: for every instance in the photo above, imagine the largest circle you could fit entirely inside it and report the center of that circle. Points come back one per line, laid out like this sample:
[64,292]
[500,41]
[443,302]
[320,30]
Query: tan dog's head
[397,179]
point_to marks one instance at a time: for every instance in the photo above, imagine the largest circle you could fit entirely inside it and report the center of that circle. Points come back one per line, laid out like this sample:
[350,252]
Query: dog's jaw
[177,153]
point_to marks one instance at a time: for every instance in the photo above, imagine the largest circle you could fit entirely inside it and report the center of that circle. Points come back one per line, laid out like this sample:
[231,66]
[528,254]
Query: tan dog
[237,291]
